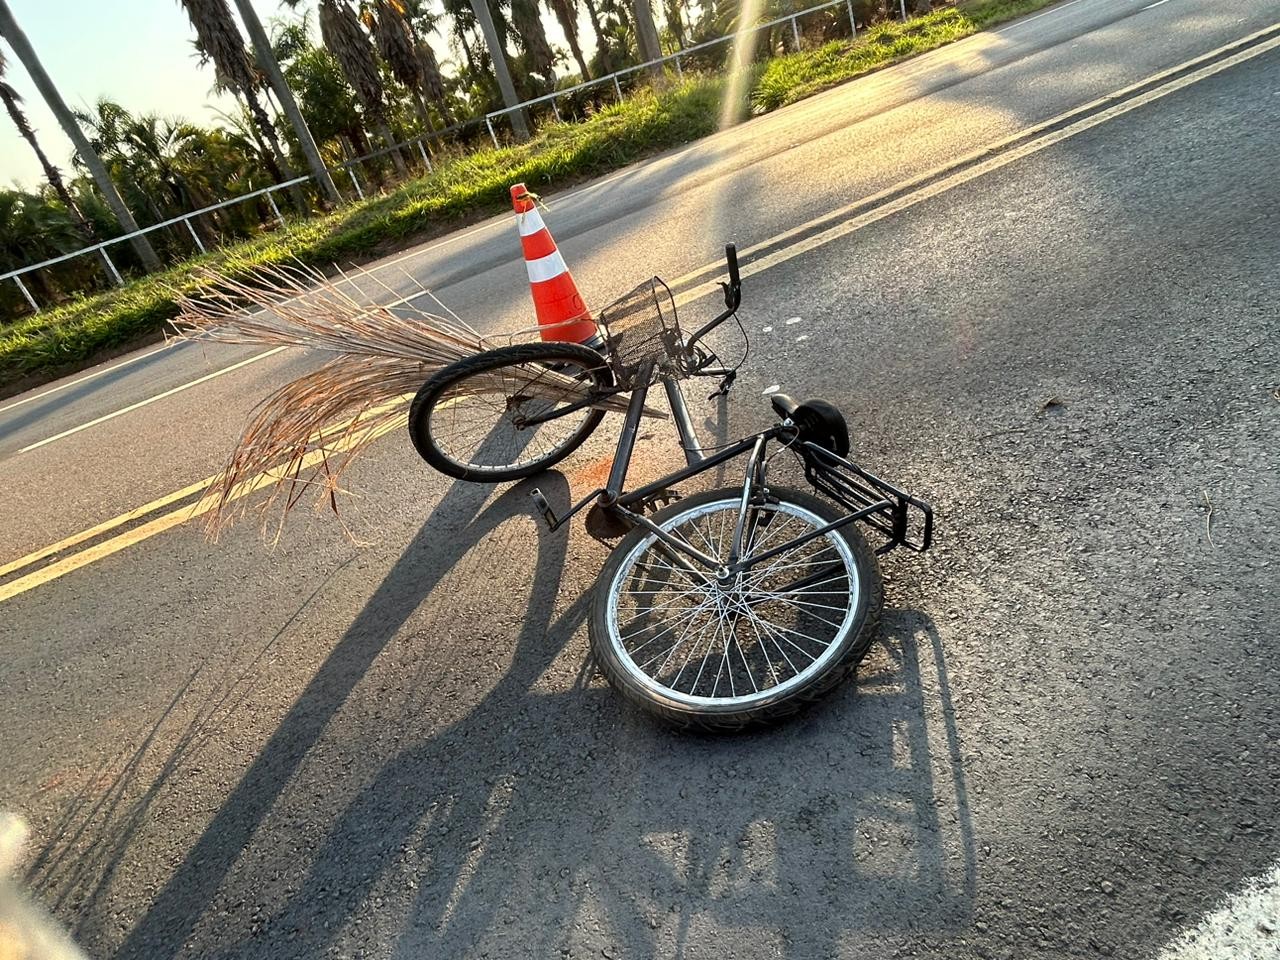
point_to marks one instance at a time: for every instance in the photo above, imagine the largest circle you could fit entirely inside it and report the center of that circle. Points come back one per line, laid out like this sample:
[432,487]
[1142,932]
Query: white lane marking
[791,320]
[209,376]
[336,280]
[150,400]
[1048,13]
[1151,5]
[88,376]
[1245,927]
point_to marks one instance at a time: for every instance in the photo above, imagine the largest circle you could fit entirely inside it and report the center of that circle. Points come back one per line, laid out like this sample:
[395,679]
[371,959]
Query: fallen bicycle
[732,607]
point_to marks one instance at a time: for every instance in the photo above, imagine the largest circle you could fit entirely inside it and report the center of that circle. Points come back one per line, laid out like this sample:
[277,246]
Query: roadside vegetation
[793,77]
[466,186]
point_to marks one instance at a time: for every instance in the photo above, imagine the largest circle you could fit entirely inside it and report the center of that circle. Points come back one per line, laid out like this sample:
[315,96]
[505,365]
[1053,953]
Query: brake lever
[725,385]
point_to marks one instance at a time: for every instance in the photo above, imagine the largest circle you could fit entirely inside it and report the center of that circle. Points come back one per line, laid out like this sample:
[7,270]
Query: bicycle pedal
[543,507]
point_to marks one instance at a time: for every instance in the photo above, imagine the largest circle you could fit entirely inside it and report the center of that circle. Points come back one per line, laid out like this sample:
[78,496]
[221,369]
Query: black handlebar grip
[731,254]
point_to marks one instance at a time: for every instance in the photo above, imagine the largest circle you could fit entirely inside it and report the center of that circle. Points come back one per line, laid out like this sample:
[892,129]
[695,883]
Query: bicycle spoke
[484,430]
[736,639]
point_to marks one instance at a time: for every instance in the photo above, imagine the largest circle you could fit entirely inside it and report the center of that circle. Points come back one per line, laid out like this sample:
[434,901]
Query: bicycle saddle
[783,405]
[820,422]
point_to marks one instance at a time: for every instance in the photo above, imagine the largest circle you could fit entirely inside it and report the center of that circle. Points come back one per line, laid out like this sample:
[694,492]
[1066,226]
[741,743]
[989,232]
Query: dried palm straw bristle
[307,433]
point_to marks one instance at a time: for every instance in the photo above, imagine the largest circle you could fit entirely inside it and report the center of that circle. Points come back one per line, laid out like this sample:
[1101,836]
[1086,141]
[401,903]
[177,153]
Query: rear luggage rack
[903,519]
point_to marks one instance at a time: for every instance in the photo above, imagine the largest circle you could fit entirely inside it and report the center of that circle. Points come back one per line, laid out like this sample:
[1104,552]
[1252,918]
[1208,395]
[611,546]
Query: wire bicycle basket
[642,327]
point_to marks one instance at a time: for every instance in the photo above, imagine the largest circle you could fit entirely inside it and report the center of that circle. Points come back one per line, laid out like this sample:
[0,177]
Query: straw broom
[306,434]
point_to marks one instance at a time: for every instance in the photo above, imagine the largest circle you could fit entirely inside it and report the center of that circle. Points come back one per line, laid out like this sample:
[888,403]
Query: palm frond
[303,437]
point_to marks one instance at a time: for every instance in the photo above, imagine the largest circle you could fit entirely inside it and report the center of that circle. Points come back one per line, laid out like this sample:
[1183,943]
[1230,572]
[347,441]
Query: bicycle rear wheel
[470,420]
[721,656]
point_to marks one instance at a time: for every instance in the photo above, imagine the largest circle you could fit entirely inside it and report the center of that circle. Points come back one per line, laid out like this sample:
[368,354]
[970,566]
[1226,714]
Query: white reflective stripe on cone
[546,268]
[530,223]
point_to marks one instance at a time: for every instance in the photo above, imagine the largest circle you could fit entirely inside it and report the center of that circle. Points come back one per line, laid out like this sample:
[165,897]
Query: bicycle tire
[620,667]
[446,386]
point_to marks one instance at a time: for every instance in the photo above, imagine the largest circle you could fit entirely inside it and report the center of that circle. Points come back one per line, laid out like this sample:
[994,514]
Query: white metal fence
[185,219]
[113,273]
[349,167]
[674,59]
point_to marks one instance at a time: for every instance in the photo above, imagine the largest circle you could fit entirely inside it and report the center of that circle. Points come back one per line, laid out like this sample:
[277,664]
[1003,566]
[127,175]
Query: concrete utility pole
[284,96]
[10,30]
[499,57]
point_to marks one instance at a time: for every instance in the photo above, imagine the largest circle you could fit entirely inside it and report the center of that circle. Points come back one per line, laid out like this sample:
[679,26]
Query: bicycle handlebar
[732,297]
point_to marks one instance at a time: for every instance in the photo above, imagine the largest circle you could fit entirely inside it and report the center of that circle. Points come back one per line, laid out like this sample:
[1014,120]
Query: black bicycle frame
[866,497]
[754,489]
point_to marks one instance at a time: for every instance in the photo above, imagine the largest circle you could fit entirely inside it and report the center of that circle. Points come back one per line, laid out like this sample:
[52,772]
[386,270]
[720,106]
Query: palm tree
[615,27]
[345,38]
[171,167]
[566,12]
[673,10]
[10,30]
[12,103]
[161,160]
[420,21]
[220,42]
[531,38]
[433,80]
[324,95]
[602,38]
[391,32]
[462,20]
[284,97]
[646,31]
[32,229]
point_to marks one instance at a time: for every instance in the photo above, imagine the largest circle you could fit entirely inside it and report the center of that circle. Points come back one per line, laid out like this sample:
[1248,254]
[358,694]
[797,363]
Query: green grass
[465,187]
[787,79]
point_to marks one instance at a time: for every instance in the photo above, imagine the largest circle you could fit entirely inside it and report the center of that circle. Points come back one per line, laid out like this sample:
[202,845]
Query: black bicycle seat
[820,422]
[783,405]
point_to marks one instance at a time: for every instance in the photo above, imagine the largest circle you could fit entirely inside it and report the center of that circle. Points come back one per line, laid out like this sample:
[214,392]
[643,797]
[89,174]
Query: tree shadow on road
[183,901]
[563,823]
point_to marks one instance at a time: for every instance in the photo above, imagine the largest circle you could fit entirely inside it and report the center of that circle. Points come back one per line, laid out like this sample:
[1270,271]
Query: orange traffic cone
[562,313]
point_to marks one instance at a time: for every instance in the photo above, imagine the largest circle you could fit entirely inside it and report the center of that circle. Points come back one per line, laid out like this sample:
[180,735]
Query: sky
[138,52]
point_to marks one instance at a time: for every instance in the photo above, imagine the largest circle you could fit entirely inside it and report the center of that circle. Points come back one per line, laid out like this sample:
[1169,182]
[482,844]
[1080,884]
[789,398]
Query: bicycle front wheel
[508,413]
[722,655]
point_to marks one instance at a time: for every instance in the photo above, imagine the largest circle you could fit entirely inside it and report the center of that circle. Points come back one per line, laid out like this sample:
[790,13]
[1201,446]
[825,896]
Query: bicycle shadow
[525,806]
[451,530]
[589,828]
[95,833]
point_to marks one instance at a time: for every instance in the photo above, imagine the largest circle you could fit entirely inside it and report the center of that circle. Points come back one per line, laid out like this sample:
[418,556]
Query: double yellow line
[127,538]
[763,256]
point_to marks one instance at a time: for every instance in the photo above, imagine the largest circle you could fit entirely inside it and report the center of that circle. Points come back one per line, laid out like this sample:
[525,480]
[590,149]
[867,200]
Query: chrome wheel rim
[743,641]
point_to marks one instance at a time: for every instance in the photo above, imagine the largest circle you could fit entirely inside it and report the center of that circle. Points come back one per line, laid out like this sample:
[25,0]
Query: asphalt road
[1065,744]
